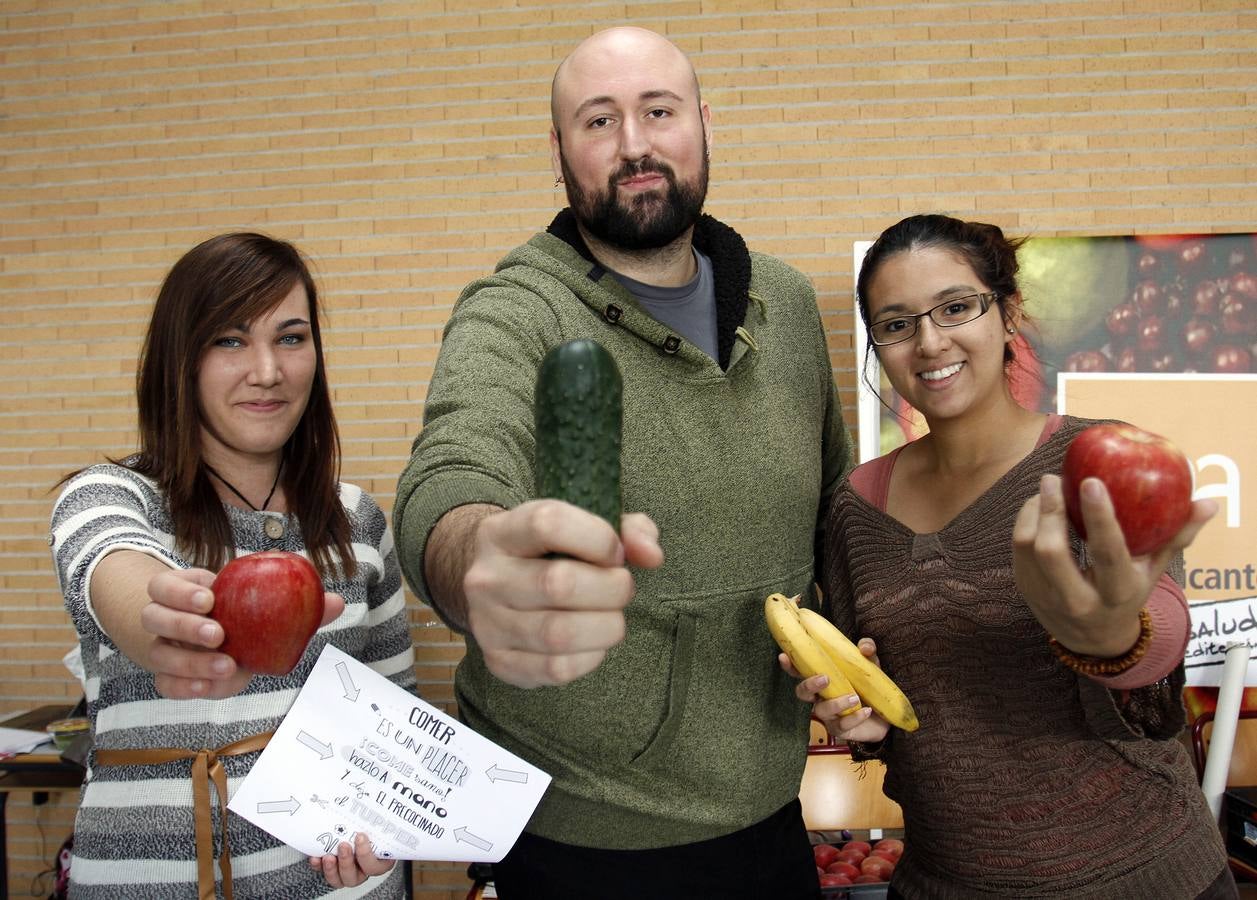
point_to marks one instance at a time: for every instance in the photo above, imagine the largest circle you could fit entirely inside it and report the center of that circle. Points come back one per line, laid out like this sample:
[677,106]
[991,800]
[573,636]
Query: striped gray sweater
[134,829]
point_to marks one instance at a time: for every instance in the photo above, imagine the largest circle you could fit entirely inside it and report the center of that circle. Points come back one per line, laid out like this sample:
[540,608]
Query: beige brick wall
[402,145]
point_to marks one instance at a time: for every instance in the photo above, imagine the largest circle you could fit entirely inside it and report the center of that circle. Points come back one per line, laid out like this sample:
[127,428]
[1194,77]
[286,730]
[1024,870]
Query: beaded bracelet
[1100,666]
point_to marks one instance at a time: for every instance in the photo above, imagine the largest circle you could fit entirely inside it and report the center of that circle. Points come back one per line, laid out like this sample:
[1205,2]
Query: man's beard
[648,221]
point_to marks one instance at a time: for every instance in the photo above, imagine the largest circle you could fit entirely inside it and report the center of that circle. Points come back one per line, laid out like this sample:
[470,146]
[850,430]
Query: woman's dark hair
[217,285]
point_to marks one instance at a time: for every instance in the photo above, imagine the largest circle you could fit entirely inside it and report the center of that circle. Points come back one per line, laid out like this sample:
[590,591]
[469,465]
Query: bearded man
[635,666]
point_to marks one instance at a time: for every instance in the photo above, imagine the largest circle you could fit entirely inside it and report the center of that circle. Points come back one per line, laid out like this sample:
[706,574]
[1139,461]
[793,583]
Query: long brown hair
[219,283]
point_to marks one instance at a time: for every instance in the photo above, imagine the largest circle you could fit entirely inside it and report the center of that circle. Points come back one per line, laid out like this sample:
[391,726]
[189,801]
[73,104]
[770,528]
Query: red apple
[1148,479]
[863,846]
[879,868]
[269,604]
[894,846]
[829,880]
[842,867]
[855,857]
[824,854]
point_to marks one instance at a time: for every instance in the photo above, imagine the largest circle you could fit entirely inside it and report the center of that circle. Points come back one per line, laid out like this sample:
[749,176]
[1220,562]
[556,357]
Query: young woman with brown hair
[238,453]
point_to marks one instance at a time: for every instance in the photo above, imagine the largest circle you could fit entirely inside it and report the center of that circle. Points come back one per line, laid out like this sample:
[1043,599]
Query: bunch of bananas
[816,647]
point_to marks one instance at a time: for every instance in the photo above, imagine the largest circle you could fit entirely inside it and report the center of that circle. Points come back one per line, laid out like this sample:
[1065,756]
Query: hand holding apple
[182,652]
[1148,479]
[269,605]
[182,649]
[1093,612]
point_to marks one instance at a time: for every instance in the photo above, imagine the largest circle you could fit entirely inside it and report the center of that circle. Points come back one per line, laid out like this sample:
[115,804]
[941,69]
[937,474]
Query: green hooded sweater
[689,729]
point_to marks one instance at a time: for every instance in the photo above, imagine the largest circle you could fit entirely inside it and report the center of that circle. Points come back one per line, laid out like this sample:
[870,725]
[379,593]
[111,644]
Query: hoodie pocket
[692,665]
[613,714]
[678,690]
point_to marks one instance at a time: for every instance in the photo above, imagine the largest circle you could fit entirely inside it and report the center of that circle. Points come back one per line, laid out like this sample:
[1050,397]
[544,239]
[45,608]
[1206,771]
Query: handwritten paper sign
[356,753]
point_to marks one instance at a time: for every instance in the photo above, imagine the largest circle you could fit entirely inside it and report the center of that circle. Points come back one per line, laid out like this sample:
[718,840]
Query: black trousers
[771,859]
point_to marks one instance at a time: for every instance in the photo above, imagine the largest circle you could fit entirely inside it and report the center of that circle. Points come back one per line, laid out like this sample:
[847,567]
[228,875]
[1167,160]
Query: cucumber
[578,408]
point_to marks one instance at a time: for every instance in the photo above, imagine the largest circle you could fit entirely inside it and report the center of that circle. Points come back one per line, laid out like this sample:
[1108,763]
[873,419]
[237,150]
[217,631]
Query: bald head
[606,62]
[630,140]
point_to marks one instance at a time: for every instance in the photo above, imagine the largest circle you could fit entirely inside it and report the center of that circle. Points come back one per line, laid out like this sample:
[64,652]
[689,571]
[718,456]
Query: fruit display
[816,647]
[269,604]
[1148,479]
[1190,305]
[855,862]
[578,411]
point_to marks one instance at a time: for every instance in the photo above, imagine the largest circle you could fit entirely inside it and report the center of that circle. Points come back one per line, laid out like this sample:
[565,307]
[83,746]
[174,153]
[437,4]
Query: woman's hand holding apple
[863,725]
[1094,612]
[184,658]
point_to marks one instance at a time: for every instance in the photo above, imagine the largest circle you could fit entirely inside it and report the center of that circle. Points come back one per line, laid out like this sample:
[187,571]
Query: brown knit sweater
[1025,779]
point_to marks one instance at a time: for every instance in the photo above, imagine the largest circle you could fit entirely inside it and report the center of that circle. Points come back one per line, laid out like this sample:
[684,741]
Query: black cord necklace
[231,487]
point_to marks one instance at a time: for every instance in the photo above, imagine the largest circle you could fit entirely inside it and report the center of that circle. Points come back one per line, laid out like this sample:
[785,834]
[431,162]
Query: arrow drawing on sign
[462,834]
[289,806]
[323,750]
[347,682]
[496,774]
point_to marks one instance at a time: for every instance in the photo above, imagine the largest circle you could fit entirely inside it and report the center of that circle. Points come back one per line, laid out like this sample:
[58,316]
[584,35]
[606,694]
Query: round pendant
[274,528]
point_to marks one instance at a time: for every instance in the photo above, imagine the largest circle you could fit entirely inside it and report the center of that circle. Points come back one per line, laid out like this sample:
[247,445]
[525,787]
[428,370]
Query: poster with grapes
[1160,331]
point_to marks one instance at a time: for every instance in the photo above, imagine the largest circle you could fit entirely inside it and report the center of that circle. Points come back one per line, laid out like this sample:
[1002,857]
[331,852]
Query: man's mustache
[641,167]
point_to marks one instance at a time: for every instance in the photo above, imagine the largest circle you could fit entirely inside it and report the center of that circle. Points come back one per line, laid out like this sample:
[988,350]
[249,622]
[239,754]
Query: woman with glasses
[1046,674]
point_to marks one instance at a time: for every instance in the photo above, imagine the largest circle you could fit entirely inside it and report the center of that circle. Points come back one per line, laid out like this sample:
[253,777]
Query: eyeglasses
[948,314]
